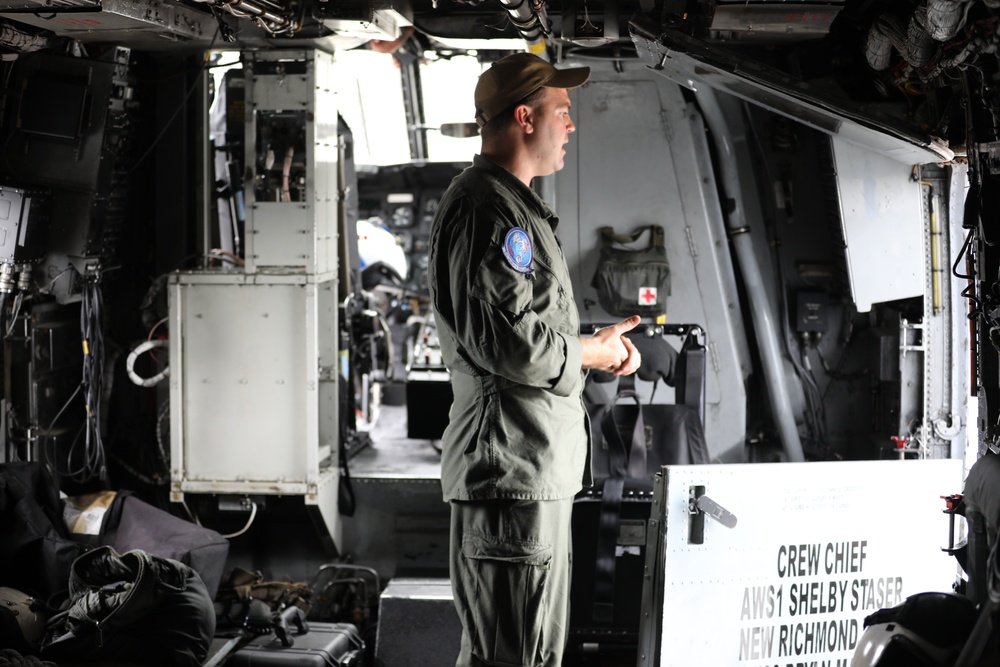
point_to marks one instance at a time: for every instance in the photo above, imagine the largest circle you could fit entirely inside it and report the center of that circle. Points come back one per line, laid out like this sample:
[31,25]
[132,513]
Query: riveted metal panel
[292,116]
[244,396]
[816,548]
[249,412]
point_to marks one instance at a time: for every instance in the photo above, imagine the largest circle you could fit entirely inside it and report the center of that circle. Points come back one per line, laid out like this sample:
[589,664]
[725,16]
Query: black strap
[689,379]
[607,543]
[625,460]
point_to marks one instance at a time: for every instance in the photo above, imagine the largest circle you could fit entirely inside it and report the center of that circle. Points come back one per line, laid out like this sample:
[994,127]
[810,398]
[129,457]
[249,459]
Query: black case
[324,645]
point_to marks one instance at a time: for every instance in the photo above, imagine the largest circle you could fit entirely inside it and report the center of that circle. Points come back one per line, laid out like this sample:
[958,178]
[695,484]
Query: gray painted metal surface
[153,25]
[958,370]
[692,63]
[763,317]
[759,21]
[254,351]
[945,367]
[249,411]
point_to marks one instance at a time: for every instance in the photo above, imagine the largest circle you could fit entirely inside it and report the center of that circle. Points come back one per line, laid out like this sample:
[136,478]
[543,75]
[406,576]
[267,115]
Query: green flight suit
[517,426]
[518,431]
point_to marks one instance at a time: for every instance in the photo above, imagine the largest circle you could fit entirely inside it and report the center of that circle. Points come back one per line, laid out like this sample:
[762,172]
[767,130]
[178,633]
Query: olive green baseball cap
[514,77]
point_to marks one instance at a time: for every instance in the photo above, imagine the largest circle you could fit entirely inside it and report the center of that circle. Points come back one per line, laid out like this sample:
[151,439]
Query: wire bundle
[92,463]
[92,382]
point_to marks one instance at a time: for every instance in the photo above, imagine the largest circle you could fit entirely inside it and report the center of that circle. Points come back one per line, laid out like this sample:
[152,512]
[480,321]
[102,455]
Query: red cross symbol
[647,296]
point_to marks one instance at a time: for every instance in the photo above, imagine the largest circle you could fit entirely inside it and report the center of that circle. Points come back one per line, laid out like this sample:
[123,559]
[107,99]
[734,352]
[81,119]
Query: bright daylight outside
[371,102]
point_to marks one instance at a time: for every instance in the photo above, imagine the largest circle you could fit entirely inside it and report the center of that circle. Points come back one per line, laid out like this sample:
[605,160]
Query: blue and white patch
[517,250]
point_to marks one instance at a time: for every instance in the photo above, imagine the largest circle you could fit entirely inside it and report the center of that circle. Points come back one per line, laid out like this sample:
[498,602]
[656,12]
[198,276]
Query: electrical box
[811,312]
[253,387]
[24,224]
[292,194]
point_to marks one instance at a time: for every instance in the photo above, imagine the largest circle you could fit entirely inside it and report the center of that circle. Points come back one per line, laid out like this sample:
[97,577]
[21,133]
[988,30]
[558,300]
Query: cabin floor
[400,531]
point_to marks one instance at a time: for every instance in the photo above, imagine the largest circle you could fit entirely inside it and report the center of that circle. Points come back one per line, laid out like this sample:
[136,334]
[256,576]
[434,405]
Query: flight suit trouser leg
[511,563]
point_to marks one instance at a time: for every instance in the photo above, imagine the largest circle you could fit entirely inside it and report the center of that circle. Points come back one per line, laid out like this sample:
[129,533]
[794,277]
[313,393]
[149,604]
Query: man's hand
[610,351]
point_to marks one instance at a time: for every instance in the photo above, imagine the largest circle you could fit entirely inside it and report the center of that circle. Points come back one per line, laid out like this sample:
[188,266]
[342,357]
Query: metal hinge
[700,505]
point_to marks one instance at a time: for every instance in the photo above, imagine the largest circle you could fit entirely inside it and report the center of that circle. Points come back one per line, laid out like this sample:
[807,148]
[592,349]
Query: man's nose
[570,127]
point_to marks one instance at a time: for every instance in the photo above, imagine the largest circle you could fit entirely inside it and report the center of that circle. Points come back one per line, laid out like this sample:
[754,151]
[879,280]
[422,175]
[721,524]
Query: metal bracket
[700,505]
[954,504]
[905,327]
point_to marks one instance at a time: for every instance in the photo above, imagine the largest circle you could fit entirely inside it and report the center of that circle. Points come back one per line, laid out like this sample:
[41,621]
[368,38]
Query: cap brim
[569,78]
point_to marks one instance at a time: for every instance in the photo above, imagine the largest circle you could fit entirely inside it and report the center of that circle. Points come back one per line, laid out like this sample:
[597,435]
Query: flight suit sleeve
[496,323]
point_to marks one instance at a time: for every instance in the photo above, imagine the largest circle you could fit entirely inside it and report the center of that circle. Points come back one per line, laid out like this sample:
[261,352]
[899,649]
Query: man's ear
[524,117]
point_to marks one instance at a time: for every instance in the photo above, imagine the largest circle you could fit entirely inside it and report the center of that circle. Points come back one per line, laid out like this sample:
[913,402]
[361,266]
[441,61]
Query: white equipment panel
[289,90]
[816,548]
[253,390]
[880,212]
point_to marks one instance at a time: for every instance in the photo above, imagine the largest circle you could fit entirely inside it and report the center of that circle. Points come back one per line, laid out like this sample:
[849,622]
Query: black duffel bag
[36,549]
[134,608]
[131,524]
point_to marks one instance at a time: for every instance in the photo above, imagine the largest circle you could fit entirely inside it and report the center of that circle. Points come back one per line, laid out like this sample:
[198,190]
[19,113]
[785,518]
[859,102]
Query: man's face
[551,129]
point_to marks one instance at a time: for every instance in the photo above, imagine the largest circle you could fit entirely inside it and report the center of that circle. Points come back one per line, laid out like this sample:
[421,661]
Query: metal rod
[762,313]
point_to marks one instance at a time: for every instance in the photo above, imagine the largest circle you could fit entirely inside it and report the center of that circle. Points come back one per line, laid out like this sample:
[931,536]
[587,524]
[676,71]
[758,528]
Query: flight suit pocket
[508,581]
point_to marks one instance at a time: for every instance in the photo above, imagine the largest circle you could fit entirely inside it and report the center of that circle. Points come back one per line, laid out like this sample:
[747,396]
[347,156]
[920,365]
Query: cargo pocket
[506,582]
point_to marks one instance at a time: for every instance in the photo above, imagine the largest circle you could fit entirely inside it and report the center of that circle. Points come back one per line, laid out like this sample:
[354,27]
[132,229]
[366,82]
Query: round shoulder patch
[517,250]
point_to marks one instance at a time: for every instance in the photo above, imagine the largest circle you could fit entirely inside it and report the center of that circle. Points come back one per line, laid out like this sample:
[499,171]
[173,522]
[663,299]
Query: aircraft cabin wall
[634,161]
[643,154]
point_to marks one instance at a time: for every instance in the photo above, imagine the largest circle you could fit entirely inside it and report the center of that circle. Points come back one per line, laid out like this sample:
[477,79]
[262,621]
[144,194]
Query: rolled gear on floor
[135,608]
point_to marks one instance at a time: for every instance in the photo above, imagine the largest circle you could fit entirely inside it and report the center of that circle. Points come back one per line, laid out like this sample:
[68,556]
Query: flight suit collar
[517,187]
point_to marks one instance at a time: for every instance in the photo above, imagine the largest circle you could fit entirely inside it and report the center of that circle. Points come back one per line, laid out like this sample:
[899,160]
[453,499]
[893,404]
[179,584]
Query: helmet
[926,630]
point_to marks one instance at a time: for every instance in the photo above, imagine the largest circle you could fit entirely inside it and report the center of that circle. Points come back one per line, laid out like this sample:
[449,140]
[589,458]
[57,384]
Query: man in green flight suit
[517,446]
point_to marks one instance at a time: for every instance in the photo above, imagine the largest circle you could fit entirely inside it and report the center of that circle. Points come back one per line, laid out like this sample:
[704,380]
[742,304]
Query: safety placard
[813,549]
